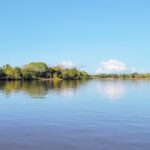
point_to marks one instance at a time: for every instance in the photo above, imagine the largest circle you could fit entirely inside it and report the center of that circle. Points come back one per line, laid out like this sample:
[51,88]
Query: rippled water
[96,114]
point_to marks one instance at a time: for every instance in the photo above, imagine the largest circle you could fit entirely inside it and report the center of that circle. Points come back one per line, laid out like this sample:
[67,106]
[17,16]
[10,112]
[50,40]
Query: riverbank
[50,79]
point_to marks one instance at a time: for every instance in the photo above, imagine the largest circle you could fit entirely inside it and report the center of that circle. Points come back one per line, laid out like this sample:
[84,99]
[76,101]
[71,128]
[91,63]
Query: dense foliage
[40,70]
[124,76]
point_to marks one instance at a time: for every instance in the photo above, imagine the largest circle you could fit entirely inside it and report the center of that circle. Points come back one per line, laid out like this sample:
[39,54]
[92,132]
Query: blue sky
[86,32]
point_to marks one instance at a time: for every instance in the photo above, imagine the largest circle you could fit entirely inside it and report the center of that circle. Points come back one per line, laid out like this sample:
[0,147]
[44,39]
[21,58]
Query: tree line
[124,76]
[40,70]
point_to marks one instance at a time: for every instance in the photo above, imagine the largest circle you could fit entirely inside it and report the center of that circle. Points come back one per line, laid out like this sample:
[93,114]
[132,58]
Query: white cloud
[111,66]
[67,64]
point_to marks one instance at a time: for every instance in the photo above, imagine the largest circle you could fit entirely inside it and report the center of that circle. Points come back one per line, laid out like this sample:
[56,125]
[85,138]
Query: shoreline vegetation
[41,71]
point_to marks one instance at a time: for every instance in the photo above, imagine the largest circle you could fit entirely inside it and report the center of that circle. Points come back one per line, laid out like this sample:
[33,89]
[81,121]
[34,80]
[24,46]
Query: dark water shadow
[39,88]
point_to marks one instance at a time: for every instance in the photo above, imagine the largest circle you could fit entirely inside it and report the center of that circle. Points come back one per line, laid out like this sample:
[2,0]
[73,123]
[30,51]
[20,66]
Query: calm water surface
[99,115]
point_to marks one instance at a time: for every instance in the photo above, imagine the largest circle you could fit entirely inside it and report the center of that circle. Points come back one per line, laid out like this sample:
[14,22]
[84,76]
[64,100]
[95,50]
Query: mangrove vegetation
[124,76]
[41,71]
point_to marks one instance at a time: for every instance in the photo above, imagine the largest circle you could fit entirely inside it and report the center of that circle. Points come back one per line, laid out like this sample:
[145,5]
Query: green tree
[9,71]
[57,71]
[36,69]
[25,74]
[1,72]
[17,73]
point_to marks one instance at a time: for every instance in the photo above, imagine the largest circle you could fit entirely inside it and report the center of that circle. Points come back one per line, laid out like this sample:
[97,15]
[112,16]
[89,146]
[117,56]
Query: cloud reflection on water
[111,90]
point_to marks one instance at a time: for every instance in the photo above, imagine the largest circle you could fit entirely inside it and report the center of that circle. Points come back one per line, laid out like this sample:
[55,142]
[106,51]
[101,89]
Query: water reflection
[39,89]
[79,124]
[111,90]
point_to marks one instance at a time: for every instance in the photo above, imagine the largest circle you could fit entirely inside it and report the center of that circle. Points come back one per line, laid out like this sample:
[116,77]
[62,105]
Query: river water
[75,115]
